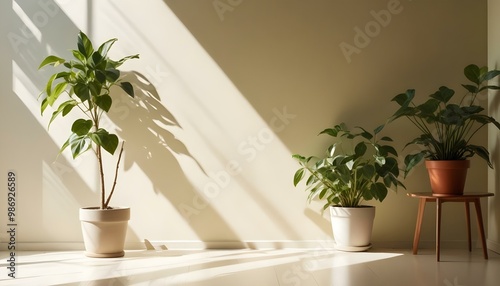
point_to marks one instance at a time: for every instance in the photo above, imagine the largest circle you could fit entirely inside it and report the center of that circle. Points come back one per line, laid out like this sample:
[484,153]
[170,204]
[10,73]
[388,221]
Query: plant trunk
[101,174]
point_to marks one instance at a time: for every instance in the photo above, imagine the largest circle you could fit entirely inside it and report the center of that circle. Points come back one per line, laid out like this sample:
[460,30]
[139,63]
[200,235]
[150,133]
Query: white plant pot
[352,227]
[104,231]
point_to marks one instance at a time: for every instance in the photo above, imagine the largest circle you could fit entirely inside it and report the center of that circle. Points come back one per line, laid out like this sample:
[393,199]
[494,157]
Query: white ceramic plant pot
[352,227]
[104,231]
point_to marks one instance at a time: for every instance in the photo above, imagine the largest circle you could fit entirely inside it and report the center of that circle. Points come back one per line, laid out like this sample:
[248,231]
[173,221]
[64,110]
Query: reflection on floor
[256,268]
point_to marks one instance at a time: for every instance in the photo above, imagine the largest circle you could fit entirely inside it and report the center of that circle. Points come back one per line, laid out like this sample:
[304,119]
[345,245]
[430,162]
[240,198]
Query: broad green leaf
[404,99]
[112,75]
[106,140]
[82,91]
[472,73]
[330,131]
[491,74]
[387,149]
[85,45]
[471,88]
[79,145]
[360,149]
[51,60]
[104,102]
[368,171]
[444,94]
[127,87]
[81,126]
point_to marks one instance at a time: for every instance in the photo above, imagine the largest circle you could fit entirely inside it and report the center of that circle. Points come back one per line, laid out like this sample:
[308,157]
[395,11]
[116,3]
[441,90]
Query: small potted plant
[84,85]
[357,167]
[447,127]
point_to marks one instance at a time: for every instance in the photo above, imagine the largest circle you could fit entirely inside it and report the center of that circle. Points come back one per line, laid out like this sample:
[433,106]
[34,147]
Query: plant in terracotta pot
[358,166]
[447,127]
[85,85]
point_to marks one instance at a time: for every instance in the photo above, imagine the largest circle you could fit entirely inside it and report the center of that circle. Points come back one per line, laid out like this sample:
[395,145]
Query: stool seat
[467,198]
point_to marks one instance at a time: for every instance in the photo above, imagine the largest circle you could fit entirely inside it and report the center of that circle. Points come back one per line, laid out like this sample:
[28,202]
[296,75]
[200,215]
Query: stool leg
[477,204]
[420,215]
[467,217]
[438,228]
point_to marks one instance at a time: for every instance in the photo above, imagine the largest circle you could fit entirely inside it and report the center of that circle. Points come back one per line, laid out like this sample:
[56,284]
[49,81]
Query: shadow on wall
[147,127]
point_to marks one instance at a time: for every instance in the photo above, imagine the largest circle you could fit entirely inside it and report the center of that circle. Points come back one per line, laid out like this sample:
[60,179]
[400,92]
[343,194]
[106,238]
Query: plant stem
[116,175]
[101,172]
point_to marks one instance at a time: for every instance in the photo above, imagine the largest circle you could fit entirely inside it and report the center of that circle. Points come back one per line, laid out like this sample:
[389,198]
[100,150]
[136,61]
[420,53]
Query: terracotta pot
[352,227]
[447,177]
[104,231]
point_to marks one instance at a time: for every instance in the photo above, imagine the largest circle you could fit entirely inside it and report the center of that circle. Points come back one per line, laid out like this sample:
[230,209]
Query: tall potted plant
[447,127]
[357,167]
[84,85]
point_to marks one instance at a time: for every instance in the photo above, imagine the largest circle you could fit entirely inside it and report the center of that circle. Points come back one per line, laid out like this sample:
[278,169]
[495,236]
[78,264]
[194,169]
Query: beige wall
[494,104]
[234,88]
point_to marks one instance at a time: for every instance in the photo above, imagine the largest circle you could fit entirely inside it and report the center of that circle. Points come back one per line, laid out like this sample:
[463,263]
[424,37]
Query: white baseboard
[251,244]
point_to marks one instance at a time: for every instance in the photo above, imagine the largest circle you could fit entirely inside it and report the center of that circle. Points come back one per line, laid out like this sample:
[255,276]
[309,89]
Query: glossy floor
[256,268]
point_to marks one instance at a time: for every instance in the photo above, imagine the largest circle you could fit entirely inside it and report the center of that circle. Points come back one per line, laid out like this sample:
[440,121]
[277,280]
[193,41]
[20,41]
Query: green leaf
[63,109]
[81,126]
[490,75]
[411,160]
[104,102]
[387,149]
[43,105]
[378,129]
[84,45]
[82,91]
[368,171]
[379,190]
[78,144]
[428,107]
[79,56]
[360,149]
[404,99]
[106,140]
[96,61]
[127,87]
[444,94]
[112,75]
[121,61]
[106,46]
[471,88]
[472,73]
[48,89]
[51,60]
[482,152]
[298,176]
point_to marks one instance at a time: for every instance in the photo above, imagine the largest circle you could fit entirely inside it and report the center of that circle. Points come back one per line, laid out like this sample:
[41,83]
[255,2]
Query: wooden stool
[467,198]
